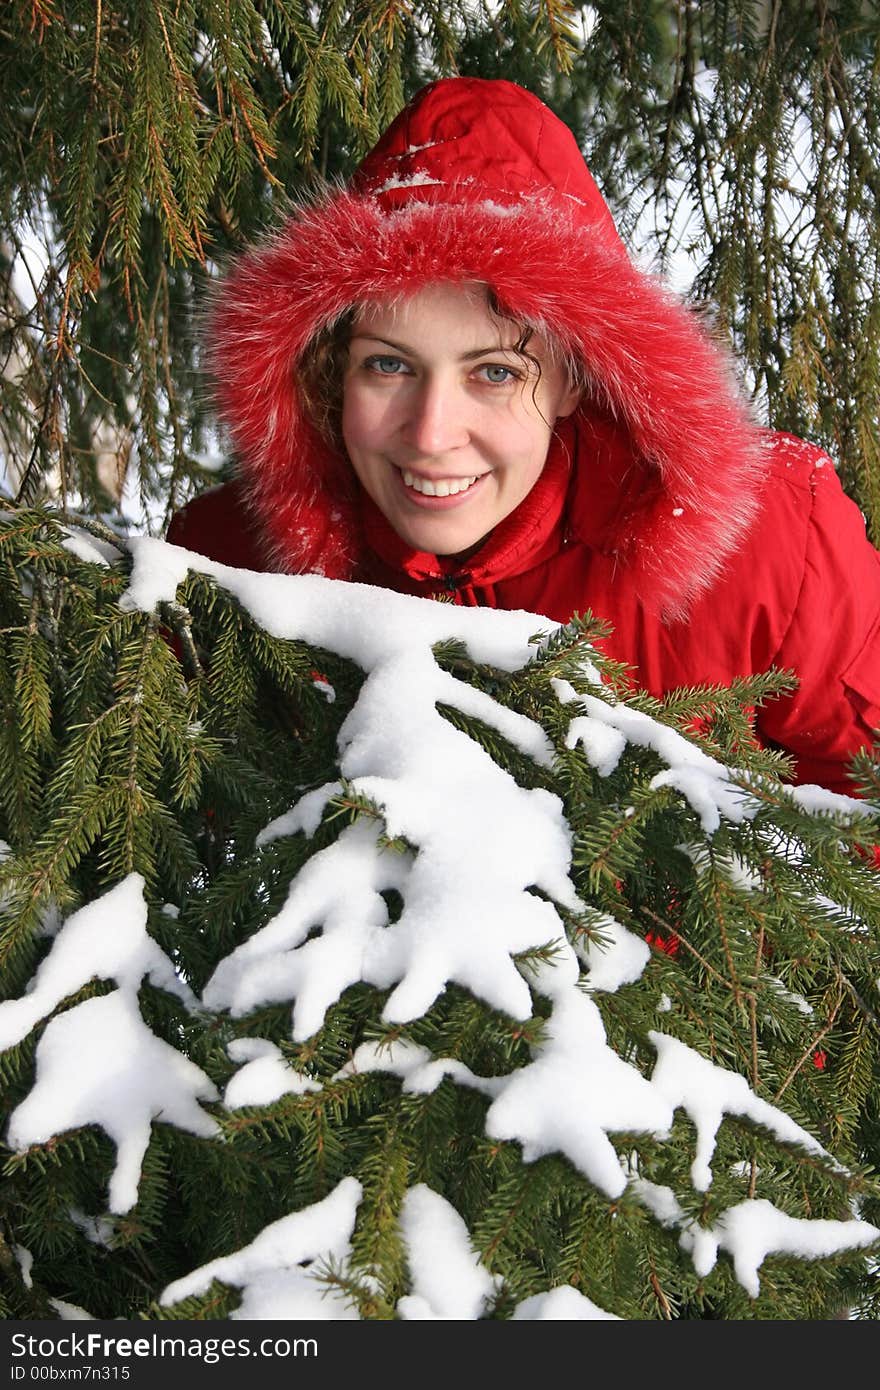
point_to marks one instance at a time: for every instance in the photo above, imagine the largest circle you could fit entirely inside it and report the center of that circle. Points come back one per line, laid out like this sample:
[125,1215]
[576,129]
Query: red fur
[552,259]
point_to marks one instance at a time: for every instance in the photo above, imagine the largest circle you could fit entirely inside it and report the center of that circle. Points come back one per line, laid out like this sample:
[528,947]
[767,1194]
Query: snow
[354,620]
[305,816]
[417,1069]
[100,1064]
[279,1272]
[561,1303]
[448,1281]
[282,1272]
[415,180]
[70,1312]
[437,789]
[578,1089]
[604,731]
[603,745]
[340,888]
[755,1229]
[750,1231]
[325,688]
[617,959]
[607,727]
[265,1077]
[575,1092]
[89,548]
[104,941]
[97,1229]
[706,1091]
[798,1000]
[25,1262]
[470,914]
[820,801]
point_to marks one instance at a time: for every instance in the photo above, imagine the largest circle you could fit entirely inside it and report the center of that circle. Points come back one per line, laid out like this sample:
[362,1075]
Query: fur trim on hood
[479,181]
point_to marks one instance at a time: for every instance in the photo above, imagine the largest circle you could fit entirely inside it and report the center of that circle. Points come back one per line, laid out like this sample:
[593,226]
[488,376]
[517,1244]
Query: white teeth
[443,487]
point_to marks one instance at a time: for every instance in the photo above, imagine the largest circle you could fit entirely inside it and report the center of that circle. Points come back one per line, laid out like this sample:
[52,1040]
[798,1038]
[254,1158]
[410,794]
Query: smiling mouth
[438,487]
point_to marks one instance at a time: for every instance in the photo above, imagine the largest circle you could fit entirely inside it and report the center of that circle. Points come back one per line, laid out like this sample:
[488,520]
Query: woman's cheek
[367,418]
[355,421]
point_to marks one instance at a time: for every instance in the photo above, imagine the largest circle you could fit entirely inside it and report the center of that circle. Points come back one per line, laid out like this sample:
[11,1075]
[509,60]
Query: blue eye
[498,375]
[385,366]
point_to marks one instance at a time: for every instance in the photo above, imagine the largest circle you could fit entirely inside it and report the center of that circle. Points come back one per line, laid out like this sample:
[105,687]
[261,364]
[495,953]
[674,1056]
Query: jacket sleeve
[832,640]
[218,524]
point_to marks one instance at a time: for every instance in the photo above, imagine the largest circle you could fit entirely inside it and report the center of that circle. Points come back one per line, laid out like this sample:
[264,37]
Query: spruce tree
[370,957]
[204,832]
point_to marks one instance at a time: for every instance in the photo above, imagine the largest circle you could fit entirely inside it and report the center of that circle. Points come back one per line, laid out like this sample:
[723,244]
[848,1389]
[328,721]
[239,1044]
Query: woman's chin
[446,542]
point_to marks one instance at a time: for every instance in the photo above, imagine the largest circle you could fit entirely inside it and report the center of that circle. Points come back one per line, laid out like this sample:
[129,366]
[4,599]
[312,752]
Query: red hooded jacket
[714,549]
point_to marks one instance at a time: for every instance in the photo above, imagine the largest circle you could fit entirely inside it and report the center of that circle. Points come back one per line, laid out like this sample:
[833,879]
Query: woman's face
[447,427]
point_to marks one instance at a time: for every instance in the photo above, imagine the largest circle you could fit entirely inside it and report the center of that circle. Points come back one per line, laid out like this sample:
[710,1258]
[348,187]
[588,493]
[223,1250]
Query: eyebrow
[411,352]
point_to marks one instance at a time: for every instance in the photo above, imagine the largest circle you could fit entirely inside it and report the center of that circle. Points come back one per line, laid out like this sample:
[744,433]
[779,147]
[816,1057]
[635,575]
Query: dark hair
[573,368]
[319,373]
[321,369]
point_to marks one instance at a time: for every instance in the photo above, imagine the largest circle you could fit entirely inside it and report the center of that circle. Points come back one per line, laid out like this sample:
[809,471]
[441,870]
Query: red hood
[479,181]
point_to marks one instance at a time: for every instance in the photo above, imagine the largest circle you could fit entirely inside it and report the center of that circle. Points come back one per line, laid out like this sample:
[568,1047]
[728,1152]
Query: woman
[449,379]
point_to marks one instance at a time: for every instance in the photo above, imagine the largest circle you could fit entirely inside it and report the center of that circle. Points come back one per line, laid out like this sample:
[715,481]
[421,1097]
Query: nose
[436,418]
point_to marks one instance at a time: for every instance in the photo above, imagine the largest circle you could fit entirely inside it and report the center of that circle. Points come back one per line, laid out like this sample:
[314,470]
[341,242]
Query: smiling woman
[450,379]
[447,430]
